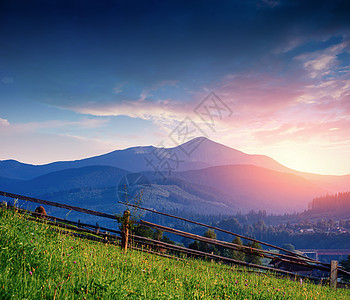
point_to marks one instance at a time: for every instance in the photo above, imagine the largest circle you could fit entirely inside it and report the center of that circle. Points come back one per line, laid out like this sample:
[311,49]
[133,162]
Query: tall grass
[38,263]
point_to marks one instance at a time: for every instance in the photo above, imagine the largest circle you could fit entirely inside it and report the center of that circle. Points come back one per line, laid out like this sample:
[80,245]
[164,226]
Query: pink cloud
[332,132]
[345,103]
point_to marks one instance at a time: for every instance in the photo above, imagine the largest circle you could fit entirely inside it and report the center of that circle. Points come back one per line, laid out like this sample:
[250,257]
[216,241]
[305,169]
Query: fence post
[125,230]
[334,274]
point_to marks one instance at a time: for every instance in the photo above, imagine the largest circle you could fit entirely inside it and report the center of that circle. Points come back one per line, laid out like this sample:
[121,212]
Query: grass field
[38,263]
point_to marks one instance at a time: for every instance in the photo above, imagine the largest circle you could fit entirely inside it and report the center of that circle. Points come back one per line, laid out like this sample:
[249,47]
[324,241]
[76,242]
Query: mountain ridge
[206,154]
[234,188]
[211,175]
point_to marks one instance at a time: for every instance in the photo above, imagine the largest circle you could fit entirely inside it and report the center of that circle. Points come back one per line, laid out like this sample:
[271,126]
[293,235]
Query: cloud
[320,66]
[164,83]
[4,123]
[255,96]
[51,125]
[7,80]
[161,112]
[261,100]
[323,62]
[54,140]
[328,133]
[118,88]
[269,3]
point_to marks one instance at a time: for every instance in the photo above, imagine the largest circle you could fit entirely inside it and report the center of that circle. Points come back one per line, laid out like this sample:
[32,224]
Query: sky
[83,78]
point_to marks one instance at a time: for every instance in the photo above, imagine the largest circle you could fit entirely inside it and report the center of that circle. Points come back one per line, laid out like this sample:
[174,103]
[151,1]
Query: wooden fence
[126,240]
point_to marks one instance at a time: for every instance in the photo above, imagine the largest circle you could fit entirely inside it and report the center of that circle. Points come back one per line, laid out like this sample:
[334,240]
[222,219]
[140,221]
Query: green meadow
[38,263]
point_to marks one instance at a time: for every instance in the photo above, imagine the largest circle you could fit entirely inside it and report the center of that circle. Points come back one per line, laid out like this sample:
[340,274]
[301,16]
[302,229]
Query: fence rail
[60,205]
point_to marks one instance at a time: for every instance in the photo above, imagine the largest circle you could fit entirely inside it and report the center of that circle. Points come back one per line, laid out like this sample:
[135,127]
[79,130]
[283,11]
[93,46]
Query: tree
[346,265]
[248,230]
[253,258]
[158,234]
[238,255]
[288,247]
[143,231]
[194,245]
[209,248]
[165,239]
[205,247]
[210,234]
[260,228]
[231,224]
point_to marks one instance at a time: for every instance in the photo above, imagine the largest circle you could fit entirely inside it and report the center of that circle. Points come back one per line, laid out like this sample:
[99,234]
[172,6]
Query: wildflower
[74,262]
[30,272]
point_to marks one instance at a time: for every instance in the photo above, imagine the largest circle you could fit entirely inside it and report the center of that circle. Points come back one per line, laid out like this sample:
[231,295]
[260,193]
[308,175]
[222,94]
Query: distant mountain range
[195,154]
[206,178]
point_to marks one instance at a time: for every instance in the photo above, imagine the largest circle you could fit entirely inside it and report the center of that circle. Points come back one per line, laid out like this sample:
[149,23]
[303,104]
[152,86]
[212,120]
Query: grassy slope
[37,263]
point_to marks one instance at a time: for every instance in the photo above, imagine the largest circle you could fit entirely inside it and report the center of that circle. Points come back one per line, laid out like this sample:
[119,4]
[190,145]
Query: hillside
[214,190]
[38,263]
[258,188]
[96,188]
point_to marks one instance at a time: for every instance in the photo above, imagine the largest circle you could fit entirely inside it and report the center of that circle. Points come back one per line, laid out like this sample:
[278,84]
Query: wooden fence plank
[334,274]
[60,205]
[125,230]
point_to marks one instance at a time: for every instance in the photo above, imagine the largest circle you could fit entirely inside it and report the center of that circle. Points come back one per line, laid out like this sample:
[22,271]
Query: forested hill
[339,202]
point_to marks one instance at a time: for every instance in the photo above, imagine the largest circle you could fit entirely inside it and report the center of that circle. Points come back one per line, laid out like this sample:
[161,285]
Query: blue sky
[82,78]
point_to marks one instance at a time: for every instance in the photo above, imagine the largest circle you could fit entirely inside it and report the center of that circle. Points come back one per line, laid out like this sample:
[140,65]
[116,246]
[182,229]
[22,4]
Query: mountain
[332,183]
[97,188]
[213,190]
[91,177]
[195,154]
[257,188]
[131,159]
[209,178]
